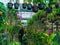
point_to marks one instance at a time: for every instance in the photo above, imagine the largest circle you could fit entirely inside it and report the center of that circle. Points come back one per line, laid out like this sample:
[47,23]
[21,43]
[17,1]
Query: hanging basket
[41,6]
[56,5]
[24,5]
[16,5]
[29,6]
[35,8]
[10,5]
[48,9]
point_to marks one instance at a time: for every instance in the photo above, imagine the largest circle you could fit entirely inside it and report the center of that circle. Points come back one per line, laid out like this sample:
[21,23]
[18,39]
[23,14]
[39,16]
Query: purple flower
[18,15]
[50,31]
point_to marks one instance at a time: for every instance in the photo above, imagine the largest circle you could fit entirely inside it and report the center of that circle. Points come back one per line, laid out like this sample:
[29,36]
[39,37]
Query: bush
[15,43]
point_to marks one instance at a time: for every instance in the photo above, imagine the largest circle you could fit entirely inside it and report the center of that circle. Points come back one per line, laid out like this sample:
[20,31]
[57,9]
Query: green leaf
[15,43]
[52,36]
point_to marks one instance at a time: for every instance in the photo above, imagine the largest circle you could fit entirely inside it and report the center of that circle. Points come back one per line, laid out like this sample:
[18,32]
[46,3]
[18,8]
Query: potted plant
[49,9]
[24,5]
[41,6]
[10,5]
[35,7]
[16,5]
[29,5]
[56,5]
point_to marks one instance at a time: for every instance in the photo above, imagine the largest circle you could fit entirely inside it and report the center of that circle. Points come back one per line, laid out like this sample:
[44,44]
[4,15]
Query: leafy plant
[58,12]
[15,43]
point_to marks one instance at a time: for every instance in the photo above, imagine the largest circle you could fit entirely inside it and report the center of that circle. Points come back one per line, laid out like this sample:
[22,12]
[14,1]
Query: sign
[25,14]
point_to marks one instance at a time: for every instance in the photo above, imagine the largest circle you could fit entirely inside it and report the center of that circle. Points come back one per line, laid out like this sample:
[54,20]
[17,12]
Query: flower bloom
[50,31]
[18,15]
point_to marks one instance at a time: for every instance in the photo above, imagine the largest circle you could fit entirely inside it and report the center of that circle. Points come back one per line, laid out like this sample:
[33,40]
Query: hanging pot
[10,5]
[41,6]
[24,5]
[16,5]
[48,9]
[35,8]
[29,6]
[56,5]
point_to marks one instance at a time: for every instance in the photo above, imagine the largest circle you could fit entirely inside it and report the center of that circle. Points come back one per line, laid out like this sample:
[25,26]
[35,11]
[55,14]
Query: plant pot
[10,5]
[24,5]
[56,5]
[29,6]
[16,5]
[35,8]
[41,6]
[48,9]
